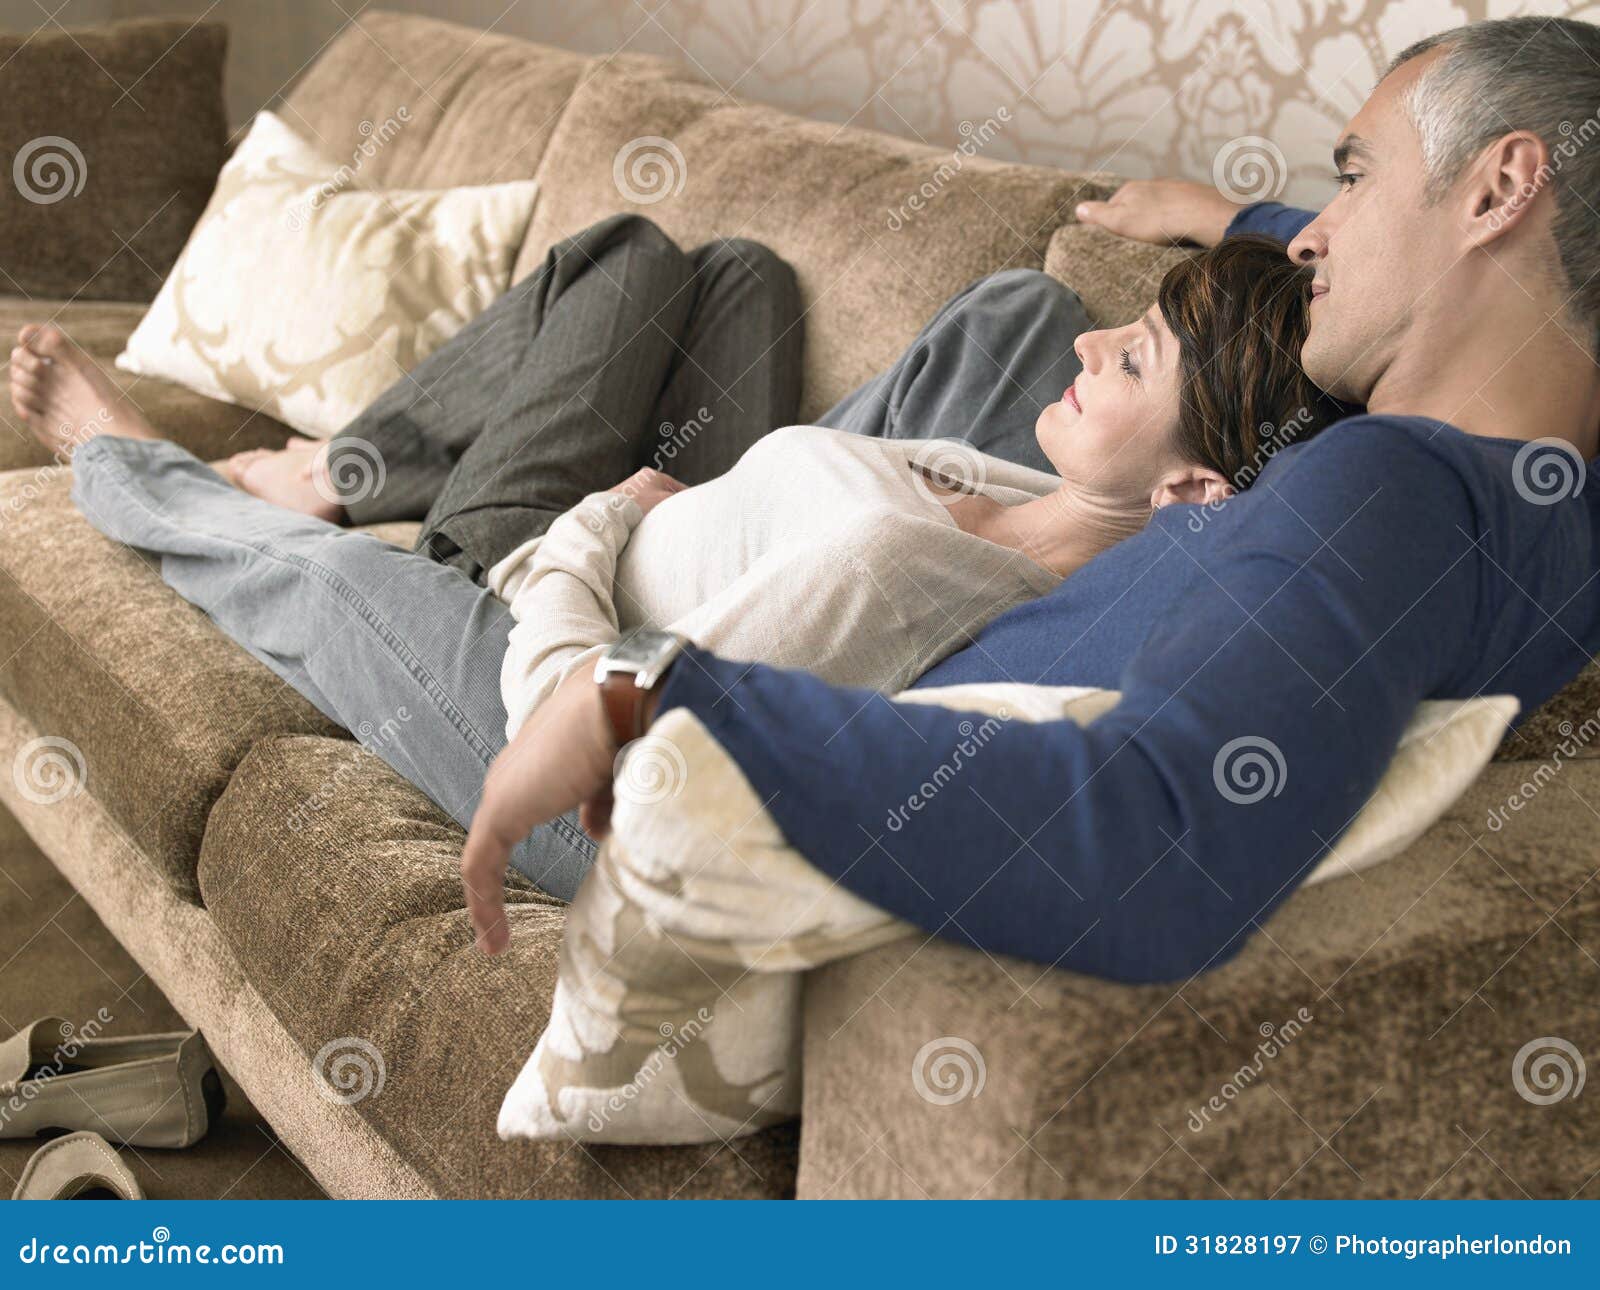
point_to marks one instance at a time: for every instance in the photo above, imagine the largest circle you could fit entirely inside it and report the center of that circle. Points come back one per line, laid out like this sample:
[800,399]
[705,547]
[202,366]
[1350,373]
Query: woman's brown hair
[1239,313]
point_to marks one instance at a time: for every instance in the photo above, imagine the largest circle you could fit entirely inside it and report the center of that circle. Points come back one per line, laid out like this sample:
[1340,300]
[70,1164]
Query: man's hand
[561,758]
[1163,211]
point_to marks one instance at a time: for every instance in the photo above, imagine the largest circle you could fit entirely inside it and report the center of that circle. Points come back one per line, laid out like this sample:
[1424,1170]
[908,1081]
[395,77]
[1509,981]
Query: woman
[862,559]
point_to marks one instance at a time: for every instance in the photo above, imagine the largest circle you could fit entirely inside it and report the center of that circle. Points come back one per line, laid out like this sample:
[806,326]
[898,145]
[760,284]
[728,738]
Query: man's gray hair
[1536,74]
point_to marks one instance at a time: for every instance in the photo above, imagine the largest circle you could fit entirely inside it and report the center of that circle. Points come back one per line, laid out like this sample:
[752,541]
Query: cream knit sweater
[820,549]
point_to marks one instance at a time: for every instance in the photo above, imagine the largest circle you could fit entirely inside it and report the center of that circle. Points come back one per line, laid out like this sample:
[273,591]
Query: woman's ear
[1192,486]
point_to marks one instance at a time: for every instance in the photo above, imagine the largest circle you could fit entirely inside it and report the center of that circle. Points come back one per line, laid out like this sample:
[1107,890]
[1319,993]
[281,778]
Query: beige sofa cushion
[822,197]
[207,428]
[153,706]
[480,107]
[349,922]
[1116,279]
[111,140]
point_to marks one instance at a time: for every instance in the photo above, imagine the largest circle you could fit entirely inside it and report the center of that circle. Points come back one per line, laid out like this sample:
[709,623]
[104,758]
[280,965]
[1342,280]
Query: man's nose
[1310,244]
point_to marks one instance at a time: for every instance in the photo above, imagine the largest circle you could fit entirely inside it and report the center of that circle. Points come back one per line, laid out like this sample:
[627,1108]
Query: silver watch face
[640,649]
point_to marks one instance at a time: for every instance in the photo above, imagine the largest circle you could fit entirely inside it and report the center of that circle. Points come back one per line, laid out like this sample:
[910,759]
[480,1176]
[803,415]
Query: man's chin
[1330,364]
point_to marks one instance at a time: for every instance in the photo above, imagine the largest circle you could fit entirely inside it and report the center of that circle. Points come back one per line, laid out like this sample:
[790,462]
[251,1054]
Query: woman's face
[1113,431]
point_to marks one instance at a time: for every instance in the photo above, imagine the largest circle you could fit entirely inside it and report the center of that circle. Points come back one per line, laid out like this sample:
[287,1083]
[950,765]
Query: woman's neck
[1062,531]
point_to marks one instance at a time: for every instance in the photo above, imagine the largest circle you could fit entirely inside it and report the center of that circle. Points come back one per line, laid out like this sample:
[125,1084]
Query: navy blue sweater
[1389,560]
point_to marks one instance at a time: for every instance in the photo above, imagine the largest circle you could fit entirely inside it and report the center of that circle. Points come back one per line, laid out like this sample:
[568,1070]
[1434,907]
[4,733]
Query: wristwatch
[628,672]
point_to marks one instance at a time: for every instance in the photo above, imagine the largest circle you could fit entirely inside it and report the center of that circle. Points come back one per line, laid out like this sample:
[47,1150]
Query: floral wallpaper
[1251,93]
[1247,92]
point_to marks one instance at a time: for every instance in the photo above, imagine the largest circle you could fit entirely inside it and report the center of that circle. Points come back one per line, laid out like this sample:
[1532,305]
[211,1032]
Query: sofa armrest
[1362,1044]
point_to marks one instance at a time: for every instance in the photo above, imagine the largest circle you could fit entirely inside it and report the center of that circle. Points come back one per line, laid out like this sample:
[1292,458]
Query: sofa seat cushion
[412,102]
[1369,1042]
[349,922]
[155,705]
[879,231]
[207,428]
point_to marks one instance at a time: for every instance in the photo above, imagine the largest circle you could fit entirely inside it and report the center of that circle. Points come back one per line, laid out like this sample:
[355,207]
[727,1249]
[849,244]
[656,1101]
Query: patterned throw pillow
[304,297]
[676,1016]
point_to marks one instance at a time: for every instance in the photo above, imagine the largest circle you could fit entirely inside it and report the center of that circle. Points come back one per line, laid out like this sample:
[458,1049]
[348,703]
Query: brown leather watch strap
[624,702]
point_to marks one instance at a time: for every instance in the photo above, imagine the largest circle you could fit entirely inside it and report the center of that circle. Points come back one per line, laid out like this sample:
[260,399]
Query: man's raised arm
[1179,210]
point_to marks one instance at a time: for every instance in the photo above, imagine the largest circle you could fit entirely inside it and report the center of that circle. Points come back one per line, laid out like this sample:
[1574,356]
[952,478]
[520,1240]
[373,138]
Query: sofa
[300,903]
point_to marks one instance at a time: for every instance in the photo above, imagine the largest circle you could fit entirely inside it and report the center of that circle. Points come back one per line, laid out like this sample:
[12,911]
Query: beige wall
[1137,86]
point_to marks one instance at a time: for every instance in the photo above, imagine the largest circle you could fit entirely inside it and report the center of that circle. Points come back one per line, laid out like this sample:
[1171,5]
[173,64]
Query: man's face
[1378,249]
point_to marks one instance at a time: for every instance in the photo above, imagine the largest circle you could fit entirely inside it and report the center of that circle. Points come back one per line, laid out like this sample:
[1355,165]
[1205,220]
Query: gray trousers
[406,651]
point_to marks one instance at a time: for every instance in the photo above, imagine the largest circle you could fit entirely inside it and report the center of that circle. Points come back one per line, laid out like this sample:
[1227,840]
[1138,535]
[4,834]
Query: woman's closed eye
[1125,361]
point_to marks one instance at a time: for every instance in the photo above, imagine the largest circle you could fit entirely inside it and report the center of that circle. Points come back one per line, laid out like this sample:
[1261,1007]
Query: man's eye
[1346,179]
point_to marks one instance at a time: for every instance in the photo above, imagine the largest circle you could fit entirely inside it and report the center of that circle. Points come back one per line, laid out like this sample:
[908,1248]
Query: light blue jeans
[401,650]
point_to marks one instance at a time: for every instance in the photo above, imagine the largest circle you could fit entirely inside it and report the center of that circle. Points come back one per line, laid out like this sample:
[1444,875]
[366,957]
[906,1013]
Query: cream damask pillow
[306,298]
[676,1015]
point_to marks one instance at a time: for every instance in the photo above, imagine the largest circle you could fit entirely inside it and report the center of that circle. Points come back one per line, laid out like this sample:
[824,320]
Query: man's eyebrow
[1352,145]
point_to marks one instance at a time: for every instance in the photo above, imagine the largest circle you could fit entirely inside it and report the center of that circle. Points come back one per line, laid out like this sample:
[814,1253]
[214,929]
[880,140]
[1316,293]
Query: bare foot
[64,396]
[294,477]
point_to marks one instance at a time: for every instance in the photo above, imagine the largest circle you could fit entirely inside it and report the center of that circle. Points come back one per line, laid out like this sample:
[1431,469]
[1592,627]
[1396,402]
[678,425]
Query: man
[1412,552]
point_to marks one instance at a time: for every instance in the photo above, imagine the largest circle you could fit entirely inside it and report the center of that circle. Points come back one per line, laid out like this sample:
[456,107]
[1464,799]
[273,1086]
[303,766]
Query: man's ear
[1502,187]
[1191,485]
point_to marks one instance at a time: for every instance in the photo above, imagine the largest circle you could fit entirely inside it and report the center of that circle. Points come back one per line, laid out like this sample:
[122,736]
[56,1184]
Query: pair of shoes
[80,1166]
[145,1090]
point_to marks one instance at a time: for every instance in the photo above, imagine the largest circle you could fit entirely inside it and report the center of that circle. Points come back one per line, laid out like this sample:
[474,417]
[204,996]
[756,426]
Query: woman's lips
[1070,398]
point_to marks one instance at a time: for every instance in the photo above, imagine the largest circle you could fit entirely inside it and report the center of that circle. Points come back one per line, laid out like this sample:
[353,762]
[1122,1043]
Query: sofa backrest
[429,104]
[880,231]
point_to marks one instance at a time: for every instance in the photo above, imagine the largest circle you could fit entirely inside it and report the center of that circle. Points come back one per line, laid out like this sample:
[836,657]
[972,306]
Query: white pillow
[306,298]
[676,1015]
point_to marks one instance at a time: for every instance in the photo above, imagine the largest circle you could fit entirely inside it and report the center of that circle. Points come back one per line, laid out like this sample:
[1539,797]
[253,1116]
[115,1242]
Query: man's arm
[1254,724]
[1178,210]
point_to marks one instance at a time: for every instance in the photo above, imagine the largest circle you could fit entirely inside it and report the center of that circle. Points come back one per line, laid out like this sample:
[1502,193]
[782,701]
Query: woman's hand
[561,758]
[648,488]
[1163,211]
